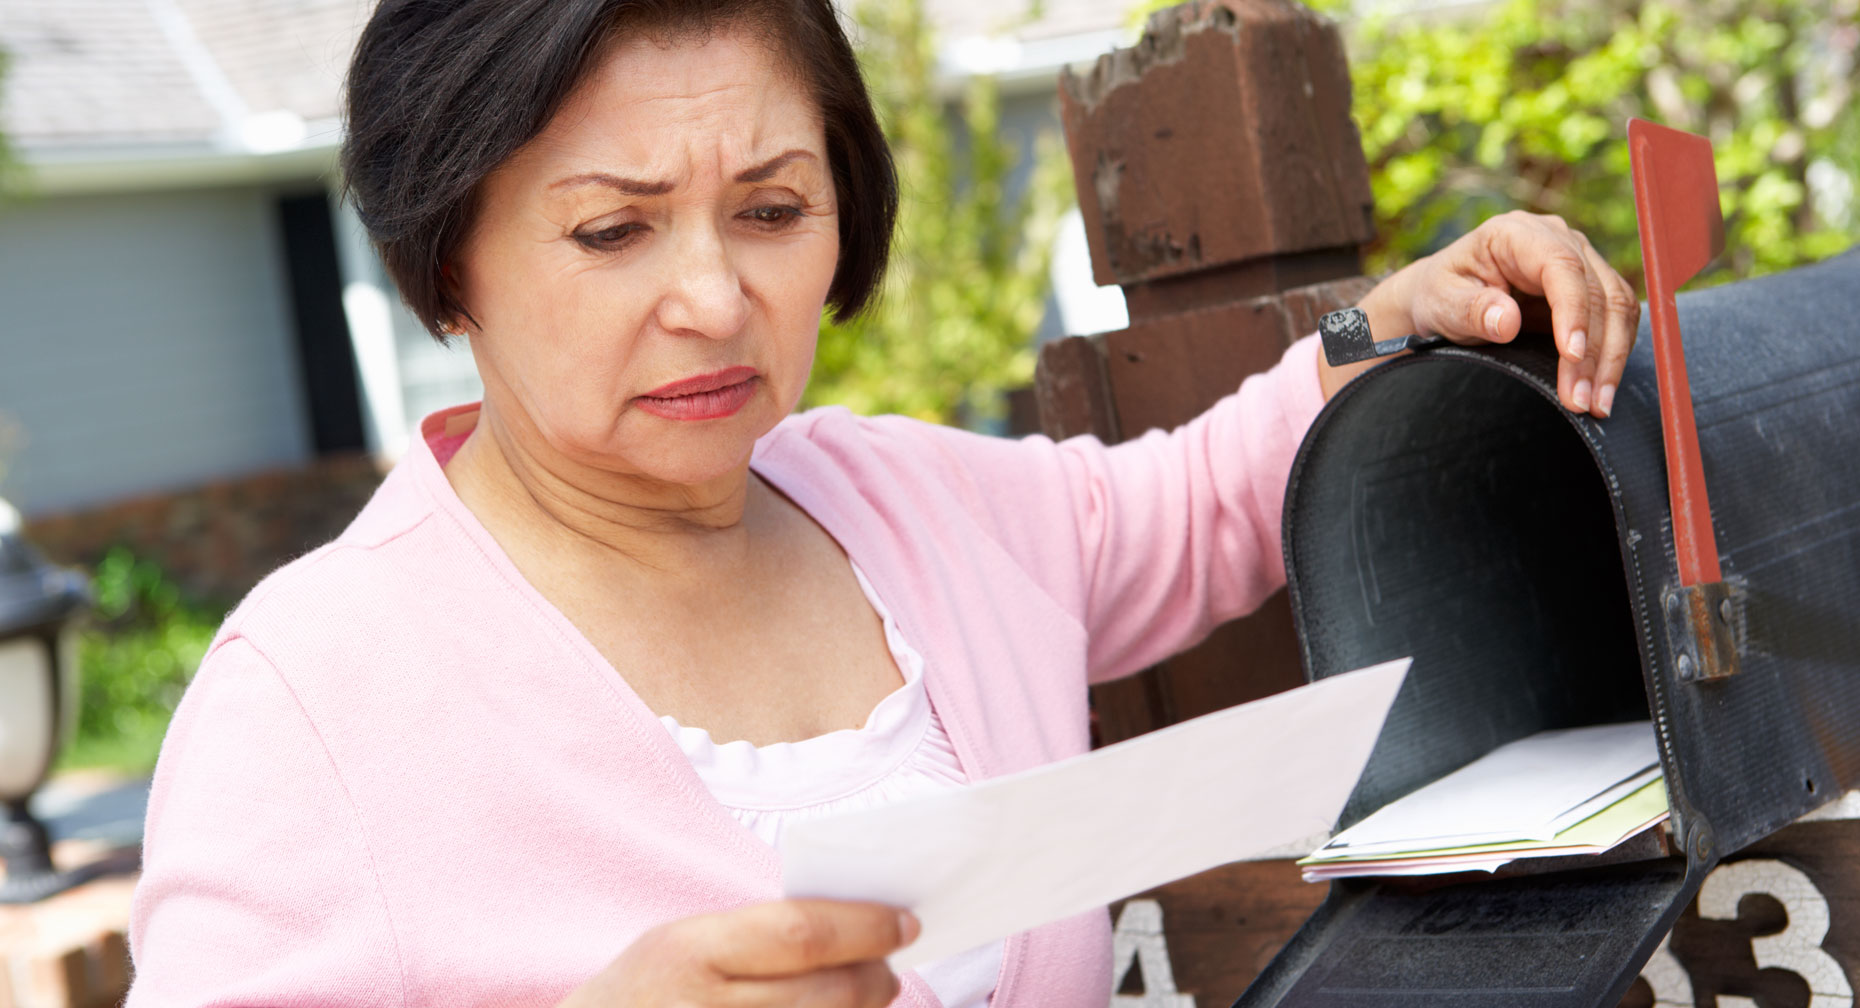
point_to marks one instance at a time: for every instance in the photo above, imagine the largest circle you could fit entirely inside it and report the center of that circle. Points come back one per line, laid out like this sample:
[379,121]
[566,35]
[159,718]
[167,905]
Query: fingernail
[1493,316]
[1578,344]
[1605,400]
[1580,394]
[908,927]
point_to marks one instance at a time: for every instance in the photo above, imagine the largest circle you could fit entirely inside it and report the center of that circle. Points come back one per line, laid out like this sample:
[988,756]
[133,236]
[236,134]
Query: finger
[1466,309]
[860,985]
[791,937]
[1584,388]
[1537,256]
[1566,384]
[1623,325]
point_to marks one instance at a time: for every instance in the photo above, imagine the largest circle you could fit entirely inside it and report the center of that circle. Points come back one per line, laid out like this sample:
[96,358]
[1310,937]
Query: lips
[703,397]
[703,383]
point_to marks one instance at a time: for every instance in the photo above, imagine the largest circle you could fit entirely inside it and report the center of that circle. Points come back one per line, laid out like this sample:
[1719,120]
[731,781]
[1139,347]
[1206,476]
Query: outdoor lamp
[38,692]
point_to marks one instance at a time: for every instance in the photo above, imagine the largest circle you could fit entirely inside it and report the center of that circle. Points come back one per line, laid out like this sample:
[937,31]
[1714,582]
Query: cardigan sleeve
[257,884]
[1151,543]
[1181,530]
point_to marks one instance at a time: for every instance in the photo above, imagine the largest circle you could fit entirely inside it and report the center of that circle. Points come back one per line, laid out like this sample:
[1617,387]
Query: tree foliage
[1524,104]
[137,654]
[955,323]
[11,176]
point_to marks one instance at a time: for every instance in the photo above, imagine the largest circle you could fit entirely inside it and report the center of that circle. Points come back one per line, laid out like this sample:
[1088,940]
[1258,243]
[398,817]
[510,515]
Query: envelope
[976,864]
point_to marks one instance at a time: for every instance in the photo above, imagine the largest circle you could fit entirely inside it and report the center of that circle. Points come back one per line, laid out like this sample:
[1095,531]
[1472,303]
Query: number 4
[1138,941]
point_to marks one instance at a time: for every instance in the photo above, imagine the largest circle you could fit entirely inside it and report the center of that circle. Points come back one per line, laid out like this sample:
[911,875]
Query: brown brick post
[1223,186]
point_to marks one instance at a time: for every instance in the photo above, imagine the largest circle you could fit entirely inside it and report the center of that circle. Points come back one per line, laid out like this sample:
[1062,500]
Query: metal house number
[1138,943]
[1797,948]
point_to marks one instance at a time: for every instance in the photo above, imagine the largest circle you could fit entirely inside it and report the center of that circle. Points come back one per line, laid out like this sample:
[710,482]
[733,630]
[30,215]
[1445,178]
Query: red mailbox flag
[1681,230]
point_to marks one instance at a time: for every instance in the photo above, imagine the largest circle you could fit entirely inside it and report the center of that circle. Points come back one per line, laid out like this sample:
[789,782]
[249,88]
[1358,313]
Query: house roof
[84,71]
[86,77]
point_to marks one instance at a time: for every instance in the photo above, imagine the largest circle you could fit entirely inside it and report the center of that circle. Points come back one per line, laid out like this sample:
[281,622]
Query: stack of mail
[1556,793]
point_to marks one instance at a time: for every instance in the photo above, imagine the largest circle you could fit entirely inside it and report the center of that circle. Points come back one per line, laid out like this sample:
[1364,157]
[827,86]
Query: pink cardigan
[402,777]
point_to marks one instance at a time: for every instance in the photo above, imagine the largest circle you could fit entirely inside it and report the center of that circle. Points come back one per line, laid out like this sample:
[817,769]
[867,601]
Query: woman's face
[647,274]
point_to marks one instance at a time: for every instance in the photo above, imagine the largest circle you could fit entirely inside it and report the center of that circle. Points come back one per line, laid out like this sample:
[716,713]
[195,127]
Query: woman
[526,734]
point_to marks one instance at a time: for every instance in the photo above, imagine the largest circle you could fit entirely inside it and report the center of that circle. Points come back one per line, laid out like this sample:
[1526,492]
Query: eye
[610,238]
[775,216]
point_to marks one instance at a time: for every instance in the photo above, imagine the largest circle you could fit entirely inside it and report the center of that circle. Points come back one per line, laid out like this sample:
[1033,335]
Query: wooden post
[1222,184]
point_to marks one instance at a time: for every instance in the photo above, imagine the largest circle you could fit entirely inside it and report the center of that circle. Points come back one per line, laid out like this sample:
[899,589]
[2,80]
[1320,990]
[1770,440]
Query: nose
[703,293]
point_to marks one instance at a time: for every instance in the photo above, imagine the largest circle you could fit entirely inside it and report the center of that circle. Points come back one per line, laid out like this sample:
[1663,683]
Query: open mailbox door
[1445,506]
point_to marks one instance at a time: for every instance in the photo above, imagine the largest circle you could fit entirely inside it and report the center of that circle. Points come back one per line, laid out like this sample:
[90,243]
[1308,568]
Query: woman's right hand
[793,952]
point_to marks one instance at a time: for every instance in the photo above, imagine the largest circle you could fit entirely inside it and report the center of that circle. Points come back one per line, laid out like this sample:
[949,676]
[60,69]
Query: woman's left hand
[1470,292]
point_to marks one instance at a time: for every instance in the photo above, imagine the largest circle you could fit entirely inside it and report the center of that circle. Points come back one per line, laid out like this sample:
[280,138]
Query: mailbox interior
[1453,513]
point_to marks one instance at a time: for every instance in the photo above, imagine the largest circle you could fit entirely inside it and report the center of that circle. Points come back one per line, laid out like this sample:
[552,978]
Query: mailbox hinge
[1703,627]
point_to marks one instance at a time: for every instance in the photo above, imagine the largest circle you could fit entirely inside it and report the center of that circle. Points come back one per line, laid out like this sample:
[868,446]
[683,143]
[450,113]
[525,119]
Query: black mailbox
[1444,506]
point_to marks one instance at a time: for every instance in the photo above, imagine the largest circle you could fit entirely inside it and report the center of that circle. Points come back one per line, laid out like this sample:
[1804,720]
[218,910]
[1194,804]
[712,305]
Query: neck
[521,491]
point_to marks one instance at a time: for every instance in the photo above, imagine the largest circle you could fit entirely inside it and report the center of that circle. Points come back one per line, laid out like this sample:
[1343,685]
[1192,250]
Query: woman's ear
[454,323]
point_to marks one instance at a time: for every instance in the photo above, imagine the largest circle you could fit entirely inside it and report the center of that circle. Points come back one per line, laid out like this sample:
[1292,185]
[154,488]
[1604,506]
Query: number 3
[1796,949]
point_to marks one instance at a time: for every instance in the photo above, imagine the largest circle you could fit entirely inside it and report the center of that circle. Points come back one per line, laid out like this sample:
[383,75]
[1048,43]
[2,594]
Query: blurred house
[182,299]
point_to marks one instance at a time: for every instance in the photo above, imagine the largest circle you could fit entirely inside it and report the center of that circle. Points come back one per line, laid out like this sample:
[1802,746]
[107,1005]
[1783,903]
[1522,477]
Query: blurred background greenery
[136,653]
[954,328]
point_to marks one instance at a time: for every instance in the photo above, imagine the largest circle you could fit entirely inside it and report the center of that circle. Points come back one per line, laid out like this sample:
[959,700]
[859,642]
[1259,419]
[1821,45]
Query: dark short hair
[441,92]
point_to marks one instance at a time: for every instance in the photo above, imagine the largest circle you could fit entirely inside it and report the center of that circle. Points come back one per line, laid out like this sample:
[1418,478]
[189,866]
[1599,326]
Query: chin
[696,468]
[685,453]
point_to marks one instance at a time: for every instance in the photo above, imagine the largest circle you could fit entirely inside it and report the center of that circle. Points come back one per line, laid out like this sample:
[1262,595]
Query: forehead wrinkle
[691,96]
[743,125]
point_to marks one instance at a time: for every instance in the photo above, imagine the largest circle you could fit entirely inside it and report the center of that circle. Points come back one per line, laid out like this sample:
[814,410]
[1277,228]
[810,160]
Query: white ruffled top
[901,751]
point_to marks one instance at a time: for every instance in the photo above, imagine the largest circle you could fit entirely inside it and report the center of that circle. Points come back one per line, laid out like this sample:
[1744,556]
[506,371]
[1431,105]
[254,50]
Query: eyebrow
[767,169]
[637,187]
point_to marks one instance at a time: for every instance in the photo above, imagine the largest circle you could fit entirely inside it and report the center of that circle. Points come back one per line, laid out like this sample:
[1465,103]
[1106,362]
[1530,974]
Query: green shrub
[1526,106]
[955,322]
[136,656]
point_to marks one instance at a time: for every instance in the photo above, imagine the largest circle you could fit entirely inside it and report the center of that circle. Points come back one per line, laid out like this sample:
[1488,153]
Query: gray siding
[433,377]
[145,344]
